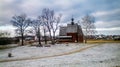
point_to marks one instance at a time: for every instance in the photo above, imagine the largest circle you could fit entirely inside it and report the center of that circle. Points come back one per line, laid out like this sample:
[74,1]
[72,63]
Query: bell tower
[72,21]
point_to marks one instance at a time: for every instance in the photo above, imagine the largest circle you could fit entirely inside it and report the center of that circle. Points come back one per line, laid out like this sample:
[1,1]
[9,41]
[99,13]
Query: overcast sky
[106,12]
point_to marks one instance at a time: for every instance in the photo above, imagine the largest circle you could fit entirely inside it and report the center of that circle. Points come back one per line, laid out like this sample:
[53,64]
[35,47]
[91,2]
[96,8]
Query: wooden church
[71,33]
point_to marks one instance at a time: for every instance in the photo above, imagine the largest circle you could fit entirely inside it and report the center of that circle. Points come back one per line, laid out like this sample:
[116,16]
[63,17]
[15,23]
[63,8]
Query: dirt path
[62,54]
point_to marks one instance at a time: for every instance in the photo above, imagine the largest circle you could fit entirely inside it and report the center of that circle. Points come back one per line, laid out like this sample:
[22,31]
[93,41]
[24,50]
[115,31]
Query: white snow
[104,55]
[33,51]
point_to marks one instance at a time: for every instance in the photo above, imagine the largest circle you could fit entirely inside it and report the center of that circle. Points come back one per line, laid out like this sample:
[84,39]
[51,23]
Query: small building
[71,33]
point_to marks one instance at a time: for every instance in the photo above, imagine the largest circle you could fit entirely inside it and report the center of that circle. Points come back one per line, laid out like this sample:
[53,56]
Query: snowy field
[103,55]
[33,51]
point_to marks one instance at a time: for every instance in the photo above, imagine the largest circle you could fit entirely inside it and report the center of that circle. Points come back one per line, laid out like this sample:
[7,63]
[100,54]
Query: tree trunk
[53,38]
[39,38]
[85,38]
[22,37]
[45,37]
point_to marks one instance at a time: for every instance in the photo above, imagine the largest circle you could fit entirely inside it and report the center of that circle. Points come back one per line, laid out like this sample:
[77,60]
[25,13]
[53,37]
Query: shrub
[5,41]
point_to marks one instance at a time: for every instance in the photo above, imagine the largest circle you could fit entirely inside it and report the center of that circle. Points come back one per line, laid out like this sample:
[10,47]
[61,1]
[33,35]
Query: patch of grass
[103,41]
[6,47]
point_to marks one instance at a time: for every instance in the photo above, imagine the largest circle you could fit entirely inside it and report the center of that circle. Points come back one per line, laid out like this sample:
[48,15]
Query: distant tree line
[4,38]
[4,34]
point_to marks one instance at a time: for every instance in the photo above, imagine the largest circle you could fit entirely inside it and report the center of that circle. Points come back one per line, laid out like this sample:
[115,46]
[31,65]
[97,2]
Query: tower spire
[72,20]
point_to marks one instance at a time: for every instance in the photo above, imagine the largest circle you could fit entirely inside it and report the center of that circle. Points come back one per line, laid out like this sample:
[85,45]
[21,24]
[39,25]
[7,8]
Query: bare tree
[36,24]
[47,16]
[54,26]
[51,22]
[88,26]
[21,23]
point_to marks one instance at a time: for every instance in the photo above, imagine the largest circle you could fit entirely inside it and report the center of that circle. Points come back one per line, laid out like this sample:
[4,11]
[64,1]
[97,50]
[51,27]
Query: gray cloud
[106,12]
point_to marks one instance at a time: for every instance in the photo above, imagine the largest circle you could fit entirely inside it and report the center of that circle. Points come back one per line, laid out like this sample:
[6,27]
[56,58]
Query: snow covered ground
[33,51]
[105,55]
